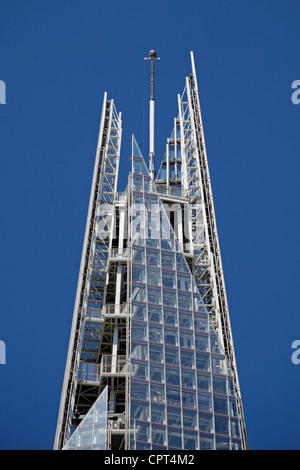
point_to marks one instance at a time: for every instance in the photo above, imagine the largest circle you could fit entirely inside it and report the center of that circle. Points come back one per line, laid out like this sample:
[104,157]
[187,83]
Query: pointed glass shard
[181,393]
[91,433]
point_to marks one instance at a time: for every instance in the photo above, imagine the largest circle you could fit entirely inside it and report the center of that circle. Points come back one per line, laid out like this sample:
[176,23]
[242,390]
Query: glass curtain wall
[181,387]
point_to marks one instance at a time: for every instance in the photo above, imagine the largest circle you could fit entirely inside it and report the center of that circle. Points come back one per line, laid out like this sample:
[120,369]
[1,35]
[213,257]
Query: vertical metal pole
[152,57]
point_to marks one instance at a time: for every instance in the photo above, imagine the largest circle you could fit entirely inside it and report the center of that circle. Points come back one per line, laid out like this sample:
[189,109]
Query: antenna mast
[152,57]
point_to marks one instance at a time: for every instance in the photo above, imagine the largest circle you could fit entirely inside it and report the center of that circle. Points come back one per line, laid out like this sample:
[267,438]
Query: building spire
[152,57]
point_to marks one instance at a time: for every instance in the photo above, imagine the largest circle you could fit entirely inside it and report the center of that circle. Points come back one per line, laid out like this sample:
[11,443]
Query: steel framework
[151,331]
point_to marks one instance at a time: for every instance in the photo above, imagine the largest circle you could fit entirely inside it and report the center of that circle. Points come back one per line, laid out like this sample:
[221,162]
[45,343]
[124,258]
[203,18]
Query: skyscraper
[151,362]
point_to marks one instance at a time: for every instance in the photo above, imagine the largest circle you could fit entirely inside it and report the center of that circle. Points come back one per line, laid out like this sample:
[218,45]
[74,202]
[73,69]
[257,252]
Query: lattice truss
[185,164]
[89,331]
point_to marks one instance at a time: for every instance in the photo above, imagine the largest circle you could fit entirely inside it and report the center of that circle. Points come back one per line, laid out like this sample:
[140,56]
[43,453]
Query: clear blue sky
[57,59]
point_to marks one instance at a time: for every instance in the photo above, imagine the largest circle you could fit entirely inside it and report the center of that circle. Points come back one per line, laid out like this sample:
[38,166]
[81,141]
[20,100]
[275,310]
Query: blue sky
[57,58]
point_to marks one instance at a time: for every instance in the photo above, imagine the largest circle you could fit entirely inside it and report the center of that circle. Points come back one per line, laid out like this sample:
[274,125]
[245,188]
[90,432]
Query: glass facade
[91,434]
[181,386]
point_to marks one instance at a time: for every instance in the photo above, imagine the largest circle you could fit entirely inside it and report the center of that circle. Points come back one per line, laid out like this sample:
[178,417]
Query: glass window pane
[222,443]
[138,255]
[235,430]
[139,331]
[171,337]
[170,317]
[155,334]
[142,431]
[159,436]
[154,295]
[169,279]
[204,382]
[138,274]
[174,439]
[204,402]
[187,359]
[189,398]
[139,390]
[172,356]
[139,311]
[206,442]
[156,353]
[206,422]
[173,396]
[156,373]
[153,277]
[183,282]
[170,298]
[153,258]
[190,440]
[139,350]
[219,384]
[221,425]
[220,405]
[201,342]
[139,410]
[185,300]
[203,362]
[168,260]
[188,379]
[201,323]
[187,339]
[185,319]
[174,416]
[158,414]
[157,393]
[172,376]
[139,370]
[155,314]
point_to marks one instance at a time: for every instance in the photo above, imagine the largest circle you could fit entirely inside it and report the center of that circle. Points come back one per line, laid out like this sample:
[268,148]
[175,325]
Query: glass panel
[174,439]
[169,279]
[190,440]
[204,382]
[154,295]
[174,416]
[173,396]
[157,393]
[139,351]
[172,356]
[156,373]
[168,260]
[92,431]
[220,405]
[155,334]
[153,277]
[206,442]
[172,376]
[222,443]
[221,425]
[204,402]
[186,339]
[158,414]
[188,379]
[170,317]
[171,337]
[219,384]
[206,422]
[156,353]
[139,390]
[155,314]
[139,411]
[159,435]
[201,342]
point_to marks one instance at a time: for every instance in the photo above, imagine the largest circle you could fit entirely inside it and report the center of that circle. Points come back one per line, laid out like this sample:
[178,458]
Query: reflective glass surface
[92,431]
[181,395]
